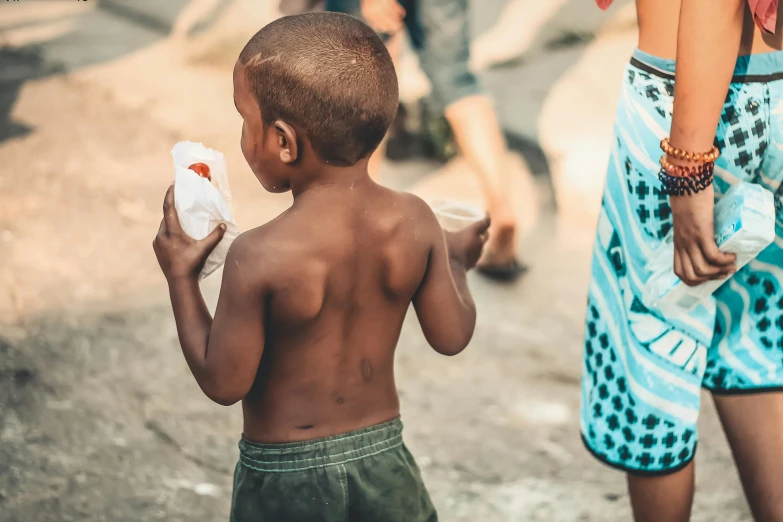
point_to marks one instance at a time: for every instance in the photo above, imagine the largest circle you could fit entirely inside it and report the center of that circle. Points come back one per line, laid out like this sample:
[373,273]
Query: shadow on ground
[114,29]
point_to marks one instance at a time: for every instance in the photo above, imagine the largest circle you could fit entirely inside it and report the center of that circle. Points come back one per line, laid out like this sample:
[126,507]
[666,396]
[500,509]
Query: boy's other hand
[465,245]
[179,255]
[696,256]
[384,16]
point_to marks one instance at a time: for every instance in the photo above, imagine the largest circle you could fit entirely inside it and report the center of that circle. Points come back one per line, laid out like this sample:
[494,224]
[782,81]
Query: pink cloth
[765,12]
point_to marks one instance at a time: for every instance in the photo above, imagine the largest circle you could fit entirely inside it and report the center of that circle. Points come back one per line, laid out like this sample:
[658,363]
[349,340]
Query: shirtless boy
[312,303]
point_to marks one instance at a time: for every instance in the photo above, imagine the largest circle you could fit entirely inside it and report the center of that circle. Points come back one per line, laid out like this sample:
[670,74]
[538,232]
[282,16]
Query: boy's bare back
[340,269]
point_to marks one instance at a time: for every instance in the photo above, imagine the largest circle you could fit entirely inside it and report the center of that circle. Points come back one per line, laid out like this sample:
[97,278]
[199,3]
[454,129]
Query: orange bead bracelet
[699,157]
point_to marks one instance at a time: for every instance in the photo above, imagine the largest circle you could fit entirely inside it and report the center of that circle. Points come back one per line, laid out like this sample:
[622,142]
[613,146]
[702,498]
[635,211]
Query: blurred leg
[376,160]
[754,428]
[480,140]
[665,498]
[393,44]
[440,33]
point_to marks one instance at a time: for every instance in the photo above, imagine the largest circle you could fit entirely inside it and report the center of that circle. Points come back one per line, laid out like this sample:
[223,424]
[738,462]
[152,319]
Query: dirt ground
[100,419]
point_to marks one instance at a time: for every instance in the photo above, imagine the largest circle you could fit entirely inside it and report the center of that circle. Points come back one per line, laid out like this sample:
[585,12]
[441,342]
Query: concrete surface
[100,419]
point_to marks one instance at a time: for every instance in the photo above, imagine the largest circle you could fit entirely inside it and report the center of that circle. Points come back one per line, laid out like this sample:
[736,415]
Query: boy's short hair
[329,74]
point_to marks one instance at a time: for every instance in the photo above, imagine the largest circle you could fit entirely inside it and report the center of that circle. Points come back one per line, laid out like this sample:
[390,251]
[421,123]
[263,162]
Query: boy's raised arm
[223,354]
[443,302]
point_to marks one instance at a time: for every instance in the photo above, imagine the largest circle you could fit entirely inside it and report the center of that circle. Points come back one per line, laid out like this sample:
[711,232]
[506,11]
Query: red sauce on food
[202,169]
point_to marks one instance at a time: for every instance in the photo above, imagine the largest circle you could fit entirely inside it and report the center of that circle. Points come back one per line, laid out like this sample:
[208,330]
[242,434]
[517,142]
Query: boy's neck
[328,176]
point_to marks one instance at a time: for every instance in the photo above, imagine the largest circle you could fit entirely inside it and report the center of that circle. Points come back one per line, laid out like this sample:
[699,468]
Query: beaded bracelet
[700,157]
[684,185]
[685,171]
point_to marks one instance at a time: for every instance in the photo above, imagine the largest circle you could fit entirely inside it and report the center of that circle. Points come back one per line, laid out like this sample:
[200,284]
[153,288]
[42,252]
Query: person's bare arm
[384,16]
[707,46]
[223,354]
[443,303]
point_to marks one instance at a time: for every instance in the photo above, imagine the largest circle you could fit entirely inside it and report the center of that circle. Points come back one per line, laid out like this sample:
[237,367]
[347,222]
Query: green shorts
[365,475]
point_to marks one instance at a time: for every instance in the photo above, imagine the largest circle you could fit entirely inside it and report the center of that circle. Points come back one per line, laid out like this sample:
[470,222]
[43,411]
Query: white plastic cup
[455,215]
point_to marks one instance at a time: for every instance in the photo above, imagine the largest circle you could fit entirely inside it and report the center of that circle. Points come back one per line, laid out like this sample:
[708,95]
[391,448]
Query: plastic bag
[203,204]
[744,225]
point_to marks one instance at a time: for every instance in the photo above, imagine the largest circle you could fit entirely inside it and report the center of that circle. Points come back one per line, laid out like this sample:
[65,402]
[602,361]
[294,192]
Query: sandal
[505,272]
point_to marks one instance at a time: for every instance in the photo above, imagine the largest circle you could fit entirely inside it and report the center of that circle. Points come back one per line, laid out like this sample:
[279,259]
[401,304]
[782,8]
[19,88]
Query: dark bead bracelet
[684,185]
[684,171]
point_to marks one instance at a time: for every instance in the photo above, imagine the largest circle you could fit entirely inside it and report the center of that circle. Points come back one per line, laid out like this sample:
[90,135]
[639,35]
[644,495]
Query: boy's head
[319,84]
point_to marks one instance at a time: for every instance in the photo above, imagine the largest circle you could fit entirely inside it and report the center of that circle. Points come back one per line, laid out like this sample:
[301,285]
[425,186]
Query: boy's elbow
[452,344]
[224,397]
[224,400]
[452,337]
[450,350]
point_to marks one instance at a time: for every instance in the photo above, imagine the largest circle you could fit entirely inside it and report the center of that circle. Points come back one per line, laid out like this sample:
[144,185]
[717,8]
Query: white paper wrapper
[203,204]
[744,225]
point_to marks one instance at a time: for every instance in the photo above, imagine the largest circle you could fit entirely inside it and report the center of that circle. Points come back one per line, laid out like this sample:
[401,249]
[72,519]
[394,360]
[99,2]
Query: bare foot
[500,247]
[499,260]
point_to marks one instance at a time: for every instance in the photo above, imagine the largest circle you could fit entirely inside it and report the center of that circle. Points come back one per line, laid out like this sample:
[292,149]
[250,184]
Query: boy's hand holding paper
[179,255]
[202,199]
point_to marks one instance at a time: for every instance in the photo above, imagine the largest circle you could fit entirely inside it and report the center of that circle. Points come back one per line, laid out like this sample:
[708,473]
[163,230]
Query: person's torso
[350,263]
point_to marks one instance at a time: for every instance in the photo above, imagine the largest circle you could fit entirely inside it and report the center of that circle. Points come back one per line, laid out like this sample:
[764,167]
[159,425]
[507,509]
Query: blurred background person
[439,32]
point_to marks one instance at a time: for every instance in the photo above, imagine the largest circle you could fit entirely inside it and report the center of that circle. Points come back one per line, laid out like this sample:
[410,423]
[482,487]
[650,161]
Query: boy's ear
[286,141]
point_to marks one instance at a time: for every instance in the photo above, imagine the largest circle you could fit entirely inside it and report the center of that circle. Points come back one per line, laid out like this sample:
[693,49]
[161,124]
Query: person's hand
[179,255]
[465,245]
[696,256]
[385,16]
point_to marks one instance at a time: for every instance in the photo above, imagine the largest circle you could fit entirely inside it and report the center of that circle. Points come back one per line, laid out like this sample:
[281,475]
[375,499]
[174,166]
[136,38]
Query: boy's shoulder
[413,207]
[274,246]
[257,251]
[421,214]
[414,202]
